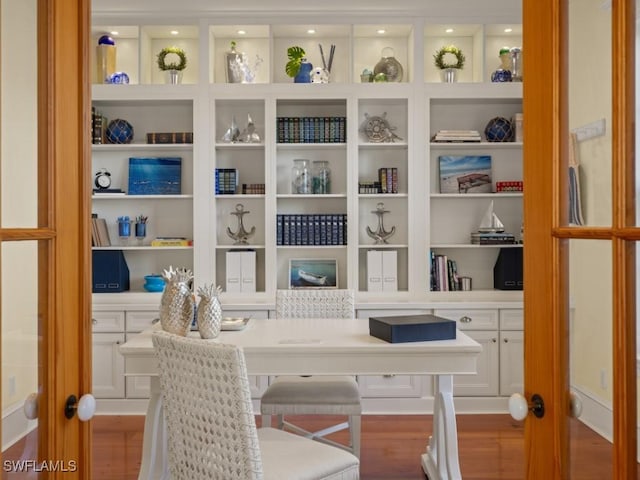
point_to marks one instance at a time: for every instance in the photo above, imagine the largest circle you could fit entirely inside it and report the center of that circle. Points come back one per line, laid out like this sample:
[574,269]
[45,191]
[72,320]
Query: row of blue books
[312,129]
[311,229]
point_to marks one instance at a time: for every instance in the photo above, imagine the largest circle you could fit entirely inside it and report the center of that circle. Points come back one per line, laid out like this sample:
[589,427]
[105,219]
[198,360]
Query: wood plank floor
[491,447]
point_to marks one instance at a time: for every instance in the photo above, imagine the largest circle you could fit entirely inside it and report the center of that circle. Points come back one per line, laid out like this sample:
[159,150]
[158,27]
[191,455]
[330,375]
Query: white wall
[18,194]
[590,271]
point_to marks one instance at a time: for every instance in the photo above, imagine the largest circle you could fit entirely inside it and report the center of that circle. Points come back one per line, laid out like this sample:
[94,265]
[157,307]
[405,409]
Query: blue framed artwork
[313,273]
[155,175]
[465,174]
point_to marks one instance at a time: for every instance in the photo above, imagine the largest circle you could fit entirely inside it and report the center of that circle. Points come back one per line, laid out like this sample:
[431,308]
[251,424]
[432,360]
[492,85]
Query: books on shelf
[311,229]
[225,181]
[170,137]
[98,127]
[108,191]
[457,136]
[444,274]
[171,242]
[493,238]
[99,232]
[312,129]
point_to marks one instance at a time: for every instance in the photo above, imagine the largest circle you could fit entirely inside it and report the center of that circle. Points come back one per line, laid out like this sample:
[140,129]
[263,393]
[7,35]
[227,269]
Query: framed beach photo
[313,273]
[465,174]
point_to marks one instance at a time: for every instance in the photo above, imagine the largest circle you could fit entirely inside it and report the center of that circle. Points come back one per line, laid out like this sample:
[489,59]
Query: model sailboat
[490,222]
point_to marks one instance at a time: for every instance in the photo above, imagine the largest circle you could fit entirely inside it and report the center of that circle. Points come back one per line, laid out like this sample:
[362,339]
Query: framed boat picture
[313,273]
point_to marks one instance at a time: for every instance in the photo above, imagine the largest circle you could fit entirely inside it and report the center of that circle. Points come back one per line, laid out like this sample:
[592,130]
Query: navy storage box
[110,271]
[412,328]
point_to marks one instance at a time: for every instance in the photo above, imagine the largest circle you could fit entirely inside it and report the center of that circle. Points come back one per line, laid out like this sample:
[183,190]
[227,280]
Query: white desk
[323,347]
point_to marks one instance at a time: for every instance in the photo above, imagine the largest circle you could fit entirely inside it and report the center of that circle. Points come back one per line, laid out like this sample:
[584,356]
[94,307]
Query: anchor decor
[380,235]
[241,236]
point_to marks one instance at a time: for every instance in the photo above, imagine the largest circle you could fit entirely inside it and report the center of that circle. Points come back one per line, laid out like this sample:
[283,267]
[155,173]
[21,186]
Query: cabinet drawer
[108,321]
[471,319]
[512,319]
[139,321]
[390,386]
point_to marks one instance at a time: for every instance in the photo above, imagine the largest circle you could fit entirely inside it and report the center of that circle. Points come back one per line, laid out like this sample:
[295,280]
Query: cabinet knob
[494,340]
[388,375]
[94,321]
[465,319]
[155,320]
[505,340]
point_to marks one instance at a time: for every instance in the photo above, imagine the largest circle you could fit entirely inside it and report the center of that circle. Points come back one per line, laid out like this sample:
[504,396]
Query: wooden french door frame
[546,293]
[63,232]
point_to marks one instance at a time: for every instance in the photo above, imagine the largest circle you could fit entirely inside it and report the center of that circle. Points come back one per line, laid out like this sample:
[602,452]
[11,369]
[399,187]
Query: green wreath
[173,65]
[439,57]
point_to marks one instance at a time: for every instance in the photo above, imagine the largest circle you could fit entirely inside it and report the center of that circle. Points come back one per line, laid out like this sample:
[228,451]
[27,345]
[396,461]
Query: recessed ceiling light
[508,30]
[115,33]
[242,32]
[449,30]
[382,31]
[311,31]
[174,32]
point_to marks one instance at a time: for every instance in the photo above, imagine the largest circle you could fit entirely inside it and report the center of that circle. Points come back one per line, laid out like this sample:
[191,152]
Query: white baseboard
[15,425]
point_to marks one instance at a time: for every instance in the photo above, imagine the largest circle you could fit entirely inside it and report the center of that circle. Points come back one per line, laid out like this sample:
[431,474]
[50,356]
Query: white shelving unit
[425,219]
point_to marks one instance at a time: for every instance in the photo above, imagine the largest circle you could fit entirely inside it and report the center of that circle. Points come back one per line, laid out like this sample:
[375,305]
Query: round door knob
[519,407]
[30,406]
[575,405]
[86,407]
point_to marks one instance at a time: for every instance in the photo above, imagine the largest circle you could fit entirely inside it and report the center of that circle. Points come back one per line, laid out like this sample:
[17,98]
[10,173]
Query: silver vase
[173,77]
[176,303]
[449,75]
[209,316]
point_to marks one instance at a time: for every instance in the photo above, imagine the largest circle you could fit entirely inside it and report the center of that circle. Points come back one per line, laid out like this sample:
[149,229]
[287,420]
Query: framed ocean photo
[313,273]
[465,174]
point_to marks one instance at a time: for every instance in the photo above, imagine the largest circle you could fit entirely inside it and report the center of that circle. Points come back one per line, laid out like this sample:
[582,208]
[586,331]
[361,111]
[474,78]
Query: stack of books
[172,242]
[456,136]
[99,232]
[493,238]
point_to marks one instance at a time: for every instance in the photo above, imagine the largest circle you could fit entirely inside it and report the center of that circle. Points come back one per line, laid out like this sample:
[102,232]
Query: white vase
[449,75]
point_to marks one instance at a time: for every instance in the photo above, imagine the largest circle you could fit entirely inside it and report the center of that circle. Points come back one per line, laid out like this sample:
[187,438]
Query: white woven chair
[211,426]
[315,395]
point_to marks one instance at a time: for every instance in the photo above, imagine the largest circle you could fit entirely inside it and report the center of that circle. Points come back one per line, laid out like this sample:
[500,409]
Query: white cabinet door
[511,363]
[485,381]
[108,365]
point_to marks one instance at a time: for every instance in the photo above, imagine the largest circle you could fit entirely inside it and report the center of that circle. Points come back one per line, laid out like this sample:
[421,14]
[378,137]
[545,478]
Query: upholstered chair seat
[318,394]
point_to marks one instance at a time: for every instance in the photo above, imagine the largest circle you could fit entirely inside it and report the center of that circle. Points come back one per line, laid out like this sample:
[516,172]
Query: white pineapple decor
[177,301]
[209,311]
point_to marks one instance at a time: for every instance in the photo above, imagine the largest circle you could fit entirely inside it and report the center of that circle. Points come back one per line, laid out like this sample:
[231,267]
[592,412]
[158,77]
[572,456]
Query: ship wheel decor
[377,129]
[241,236]
[380,235]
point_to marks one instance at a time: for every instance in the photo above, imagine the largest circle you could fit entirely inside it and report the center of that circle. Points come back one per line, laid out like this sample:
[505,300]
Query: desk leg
[154,444]
[440,462]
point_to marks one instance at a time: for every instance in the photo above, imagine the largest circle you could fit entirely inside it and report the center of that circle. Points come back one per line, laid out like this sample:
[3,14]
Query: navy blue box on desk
[412,328]
[110,271]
